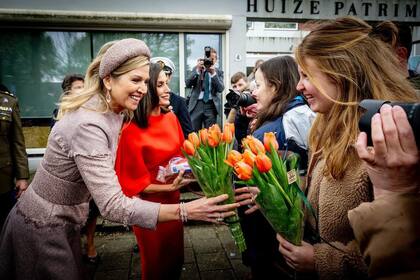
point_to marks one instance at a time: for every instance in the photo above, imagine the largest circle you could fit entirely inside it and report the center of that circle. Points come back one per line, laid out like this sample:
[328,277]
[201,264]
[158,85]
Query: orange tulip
[214,135]
[227,136]
[215,127]
[254,144]
[203,133]
[233,157]
[243,170]
[229,126]
[248,157]
[193,137]
[270,138]
[263,163]
[188,148]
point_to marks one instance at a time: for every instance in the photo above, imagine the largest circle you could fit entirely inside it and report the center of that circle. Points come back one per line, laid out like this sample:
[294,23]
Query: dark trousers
[7,201]
[204,114]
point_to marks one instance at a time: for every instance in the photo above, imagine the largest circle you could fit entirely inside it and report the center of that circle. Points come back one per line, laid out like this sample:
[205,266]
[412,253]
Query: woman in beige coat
[41,236]
[341,63]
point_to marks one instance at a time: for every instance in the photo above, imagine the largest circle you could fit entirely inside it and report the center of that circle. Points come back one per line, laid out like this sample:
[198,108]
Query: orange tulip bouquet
[280,199]
[206,153]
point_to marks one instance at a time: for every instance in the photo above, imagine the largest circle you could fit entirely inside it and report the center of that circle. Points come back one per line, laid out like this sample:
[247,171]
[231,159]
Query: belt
[57,190]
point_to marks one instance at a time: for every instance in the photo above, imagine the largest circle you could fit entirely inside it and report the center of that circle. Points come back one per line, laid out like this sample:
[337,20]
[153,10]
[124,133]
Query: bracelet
[183,214]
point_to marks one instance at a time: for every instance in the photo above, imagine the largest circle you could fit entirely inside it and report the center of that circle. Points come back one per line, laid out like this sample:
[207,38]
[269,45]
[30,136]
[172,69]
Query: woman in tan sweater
[341,63]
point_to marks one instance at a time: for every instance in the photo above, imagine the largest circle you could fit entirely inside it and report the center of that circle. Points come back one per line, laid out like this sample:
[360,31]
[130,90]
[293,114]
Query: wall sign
[327,9]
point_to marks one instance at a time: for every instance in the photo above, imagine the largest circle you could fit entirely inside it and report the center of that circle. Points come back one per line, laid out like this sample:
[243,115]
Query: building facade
[44,40]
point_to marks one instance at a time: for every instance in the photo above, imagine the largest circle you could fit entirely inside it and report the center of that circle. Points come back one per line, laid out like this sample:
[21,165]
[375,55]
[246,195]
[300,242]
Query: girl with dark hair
[150,141]
[283,111]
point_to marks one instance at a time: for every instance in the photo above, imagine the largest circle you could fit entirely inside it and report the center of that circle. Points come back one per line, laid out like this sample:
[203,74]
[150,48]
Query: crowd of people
[116,127]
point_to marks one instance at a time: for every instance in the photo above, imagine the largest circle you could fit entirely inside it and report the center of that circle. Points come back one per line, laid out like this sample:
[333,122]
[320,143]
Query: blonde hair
[362,66]
[94,85]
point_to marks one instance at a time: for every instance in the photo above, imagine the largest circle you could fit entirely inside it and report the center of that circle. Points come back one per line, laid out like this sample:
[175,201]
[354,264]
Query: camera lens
[372,106]
[245,99]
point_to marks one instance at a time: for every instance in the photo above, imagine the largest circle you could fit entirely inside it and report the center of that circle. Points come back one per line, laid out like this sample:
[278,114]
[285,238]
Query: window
[194,49]
[34,63]
[281,25]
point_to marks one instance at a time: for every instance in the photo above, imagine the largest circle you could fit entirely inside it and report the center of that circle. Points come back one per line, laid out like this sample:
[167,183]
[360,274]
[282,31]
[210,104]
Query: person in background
[251,76]
[338,69]
[41,235]
[245,115]
[146,144]
[72,83]
[388,229]
[178,104]
[206,85]
[283,111]
[402,45]
[14,171]
[239,83]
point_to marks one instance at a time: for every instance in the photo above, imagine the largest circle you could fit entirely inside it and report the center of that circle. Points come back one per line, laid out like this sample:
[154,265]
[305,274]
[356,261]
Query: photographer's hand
[393,161]
[200,65]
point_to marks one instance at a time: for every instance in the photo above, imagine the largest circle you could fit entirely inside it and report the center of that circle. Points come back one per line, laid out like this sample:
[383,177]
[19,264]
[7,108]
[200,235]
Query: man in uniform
[14,171]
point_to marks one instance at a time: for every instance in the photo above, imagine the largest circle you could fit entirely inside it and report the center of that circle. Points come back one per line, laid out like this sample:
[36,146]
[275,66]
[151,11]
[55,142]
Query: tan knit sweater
[331,200]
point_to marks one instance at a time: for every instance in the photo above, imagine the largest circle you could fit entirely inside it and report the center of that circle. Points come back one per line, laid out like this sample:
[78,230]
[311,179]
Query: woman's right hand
[208,209]
[180,181]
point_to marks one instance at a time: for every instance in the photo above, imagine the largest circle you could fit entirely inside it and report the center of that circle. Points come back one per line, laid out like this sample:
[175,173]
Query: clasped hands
[300,258]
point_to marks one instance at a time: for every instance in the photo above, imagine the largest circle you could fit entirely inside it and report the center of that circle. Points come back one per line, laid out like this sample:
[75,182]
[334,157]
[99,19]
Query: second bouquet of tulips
[206,153]
[280,199]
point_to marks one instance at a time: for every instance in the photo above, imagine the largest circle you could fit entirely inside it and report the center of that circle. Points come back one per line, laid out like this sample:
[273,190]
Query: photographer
[387,228]
[242,106]
[239,83]
[206,83]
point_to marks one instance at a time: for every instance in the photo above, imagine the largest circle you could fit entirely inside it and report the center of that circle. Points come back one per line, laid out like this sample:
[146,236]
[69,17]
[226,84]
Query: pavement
[210,252]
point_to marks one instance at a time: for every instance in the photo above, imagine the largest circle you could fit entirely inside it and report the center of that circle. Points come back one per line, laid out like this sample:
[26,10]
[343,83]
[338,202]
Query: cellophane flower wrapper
[215,178]
[281,200]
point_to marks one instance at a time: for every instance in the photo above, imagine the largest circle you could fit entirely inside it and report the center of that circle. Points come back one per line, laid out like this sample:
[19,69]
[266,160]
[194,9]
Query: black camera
[239,99]
[208,61]
[373,106]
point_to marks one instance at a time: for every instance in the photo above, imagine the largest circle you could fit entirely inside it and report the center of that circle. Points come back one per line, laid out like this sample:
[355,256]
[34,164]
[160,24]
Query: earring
[108,96]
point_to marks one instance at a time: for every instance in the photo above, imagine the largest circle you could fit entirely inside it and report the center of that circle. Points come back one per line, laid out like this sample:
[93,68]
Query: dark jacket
[179,107]
[195,82]
[13,158]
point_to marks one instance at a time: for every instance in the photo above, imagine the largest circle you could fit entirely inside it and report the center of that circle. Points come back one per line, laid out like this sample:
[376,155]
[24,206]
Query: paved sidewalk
[210,253]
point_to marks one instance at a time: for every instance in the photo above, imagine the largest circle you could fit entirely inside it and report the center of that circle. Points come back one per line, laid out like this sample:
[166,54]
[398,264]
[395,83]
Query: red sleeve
[131,170]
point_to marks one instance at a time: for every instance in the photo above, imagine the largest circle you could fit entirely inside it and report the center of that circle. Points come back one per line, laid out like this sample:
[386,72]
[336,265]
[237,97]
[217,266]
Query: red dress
[140,153]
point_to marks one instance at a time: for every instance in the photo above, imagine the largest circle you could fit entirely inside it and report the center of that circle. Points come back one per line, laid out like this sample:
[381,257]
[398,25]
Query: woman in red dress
[150,141]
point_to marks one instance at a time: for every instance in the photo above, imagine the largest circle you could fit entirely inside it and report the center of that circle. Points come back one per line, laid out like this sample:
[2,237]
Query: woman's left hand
[246,196]
[300,258]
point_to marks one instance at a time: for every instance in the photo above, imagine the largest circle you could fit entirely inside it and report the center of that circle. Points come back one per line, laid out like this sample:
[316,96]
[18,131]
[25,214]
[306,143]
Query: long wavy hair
[151,100]
[282,73]
[352,55]
[94,85]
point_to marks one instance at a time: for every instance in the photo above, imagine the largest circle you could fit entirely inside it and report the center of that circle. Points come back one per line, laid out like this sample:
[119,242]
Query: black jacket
[179,107]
